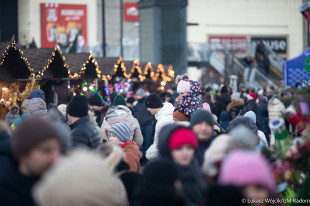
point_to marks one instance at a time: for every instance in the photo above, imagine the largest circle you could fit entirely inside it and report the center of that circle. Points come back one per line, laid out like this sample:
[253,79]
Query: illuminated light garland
[136,67]
[148,72]
[170,72]
[13,46]
[49,61]
[161,73]
[120,65]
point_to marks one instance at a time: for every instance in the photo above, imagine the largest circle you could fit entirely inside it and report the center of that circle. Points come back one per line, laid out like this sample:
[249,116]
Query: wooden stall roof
[38,58]
[106,64]
[75,61]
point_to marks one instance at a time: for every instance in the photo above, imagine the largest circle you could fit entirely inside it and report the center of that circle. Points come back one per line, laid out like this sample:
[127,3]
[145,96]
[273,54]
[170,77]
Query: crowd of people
[187,146]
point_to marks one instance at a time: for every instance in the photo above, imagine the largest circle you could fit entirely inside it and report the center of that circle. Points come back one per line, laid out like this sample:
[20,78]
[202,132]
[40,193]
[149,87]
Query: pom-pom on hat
[252,96]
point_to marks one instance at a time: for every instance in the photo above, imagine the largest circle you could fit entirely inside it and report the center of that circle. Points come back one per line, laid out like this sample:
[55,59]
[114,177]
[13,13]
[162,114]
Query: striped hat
[122,131]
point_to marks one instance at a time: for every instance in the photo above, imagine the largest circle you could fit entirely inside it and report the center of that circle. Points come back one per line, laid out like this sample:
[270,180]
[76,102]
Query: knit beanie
[241,168]
[252,96]
[37,93]
[251,115]
[119,100]
[162,170]
[245,121]
[224,90]
[122,131]
[235,96]
[94,99]
[78,107]
[153,101]
[200,116]
[183,86]
[182,136]
[140,92]
[31,132]
[179,116]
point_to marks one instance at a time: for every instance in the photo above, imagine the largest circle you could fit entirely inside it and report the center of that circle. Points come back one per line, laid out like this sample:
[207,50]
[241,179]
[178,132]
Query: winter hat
[94,99]
[63,109]
[245,121]
[215,86]
[260,92]
[241,168]
[78,107]
[119,100]
[206,107]
[235,96]
[122,131]
[153,101]
[251,115]
[242,86]
[179,116]
[200,116]
[25,106]
[224,90]
[164,134]
[130,100]
[182,136]
[162,170]
[37,93]
[183,87]
[97,185]
[31,132]
[252,96]
[140,92]
[242,138]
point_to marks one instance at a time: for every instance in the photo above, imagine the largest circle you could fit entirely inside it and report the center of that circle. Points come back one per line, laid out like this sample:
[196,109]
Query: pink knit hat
[241,168]
[183,86]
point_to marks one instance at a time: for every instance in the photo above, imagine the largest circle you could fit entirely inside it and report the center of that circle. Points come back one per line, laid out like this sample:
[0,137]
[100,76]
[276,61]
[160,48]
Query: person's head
[94,101]
[182,145]
[224,90]
[251,96]
[184,87]
[167,97]
[251,115]
[153,103]
[119,100]
[119,133]
[139,94]
[37,93]
[130,101]
[77,108]
[242,88]
[235,96]
[202,125]
[250,172]
[36,146]
[14,109]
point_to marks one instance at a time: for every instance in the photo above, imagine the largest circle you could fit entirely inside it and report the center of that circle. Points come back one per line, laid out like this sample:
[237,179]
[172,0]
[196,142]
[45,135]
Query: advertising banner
[277,44]
[131,12]
[232,43]
[62,24]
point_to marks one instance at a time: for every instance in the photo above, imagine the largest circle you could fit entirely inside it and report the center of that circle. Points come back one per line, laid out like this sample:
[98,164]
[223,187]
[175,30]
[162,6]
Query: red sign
[131,12]
[62,23]
[232,43]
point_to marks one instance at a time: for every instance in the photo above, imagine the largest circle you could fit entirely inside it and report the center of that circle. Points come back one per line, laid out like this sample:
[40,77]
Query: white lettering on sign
[72,12]
[132,11]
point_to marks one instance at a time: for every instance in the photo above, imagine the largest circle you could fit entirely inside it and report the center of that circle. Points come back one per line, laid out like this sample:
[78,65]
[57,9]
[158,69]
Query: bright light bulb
[84,89]
[163,83]
[91,87]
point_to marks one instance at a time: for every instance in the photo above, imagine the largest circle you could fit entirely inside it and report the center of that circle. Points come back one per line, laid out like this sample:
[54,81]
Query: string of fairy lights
[120,70]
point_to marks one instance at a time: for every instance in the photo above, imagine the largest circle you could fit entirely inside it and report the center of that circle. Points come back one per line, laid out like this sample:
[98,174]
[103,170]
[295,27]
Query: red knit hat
[252,96]
[182,137]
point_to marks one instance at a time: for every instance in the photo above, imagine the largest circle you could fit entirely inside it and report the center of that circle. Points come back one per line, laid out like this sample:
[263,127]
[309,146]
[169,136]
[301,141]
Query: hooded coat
[193,182]
[163,117]
[145,117]
[37,108]
[191,103]
[221,104]
[235,108]
[122,114]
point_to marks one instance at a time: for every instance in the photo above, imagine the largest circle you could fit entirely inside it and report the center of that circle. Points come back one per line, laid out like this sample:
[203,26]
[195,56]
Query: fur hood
[237,103]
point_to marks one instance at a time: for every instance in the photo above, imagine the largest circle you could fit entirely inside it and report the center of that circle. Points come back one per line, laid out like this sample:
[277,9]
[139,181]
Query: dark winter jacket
[250,106]
[194,185]
[5,144]
[262,116]
[224,120]
[221,104]
[235,108]
[202,148]
[191,103]
[144,117]
[84,133]
[15,189]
